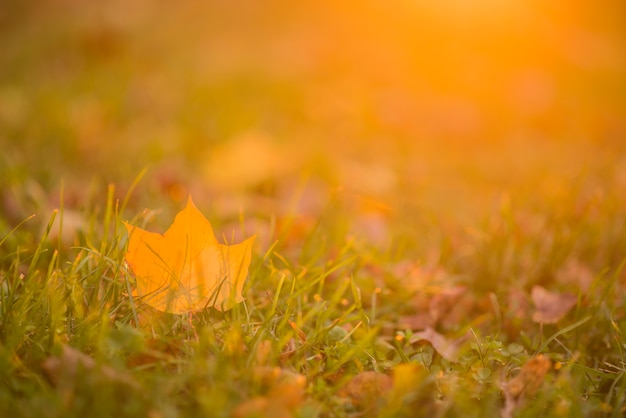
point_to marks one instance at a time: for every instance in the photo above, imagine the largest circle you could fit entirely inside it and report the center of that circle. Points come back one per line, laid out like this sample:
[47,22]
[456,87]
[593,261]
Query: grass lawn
[437,194]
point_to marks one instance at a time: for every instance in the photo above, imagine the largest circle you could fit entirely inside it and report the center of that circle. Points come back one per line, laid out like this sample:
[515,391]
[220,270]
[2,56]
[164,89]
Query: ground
[436,190]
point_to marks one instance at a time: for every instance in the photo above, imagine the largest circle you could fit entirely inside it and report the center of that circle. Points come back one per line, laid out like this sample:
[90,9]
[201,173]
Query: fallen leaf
[272,376]
[575,273]
[450,306]
[64,370]
[367,389]
[284,395]
[526,384]
[186,269]
[551,307]
[448,349]
[442,302]
[416,321]
[282,401]
[156,350]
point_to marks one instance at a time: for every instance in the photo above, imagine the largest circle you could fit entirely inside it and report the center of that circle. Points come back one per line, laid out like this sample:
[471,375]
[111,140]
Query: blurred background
[408,110]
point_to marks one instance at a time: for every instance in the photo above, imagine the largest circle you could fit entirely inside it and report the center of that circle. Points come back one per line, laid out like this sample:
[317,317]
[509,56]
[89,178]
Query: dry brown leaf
[551,307]
[366,389]
[526,384]
[272,376]
[448,349]
[284,396]
[416,321]
[443,303]
[156,350]
[454,306]
[65,369]
[575,273]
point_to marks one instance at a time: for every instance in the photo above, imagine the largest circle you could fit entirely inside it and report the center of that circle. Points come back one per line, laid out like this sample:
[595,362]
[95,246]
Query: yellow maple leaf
[186,269]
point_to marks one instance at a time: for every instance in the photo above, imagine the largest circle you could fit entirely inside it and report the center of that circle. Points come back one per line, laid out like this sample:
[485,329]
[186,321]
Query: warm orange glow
[378,97]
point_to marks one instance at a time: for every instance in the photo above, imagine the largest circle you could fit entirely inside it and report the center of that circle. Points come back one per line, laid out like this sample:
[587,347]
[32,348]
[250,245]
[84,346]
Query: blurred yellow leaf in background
[186,269]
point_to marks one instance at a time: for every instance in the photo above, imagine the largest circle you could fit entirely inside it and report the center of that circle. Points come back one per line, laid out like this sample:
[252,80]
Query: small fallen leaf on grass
[284,394]
[65,370]
[186,269]
[551,307]
[442,303]
[575,273]
[272,376]
[366,390]
[281,401]
[448,349]
[526,384]
[156,350]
